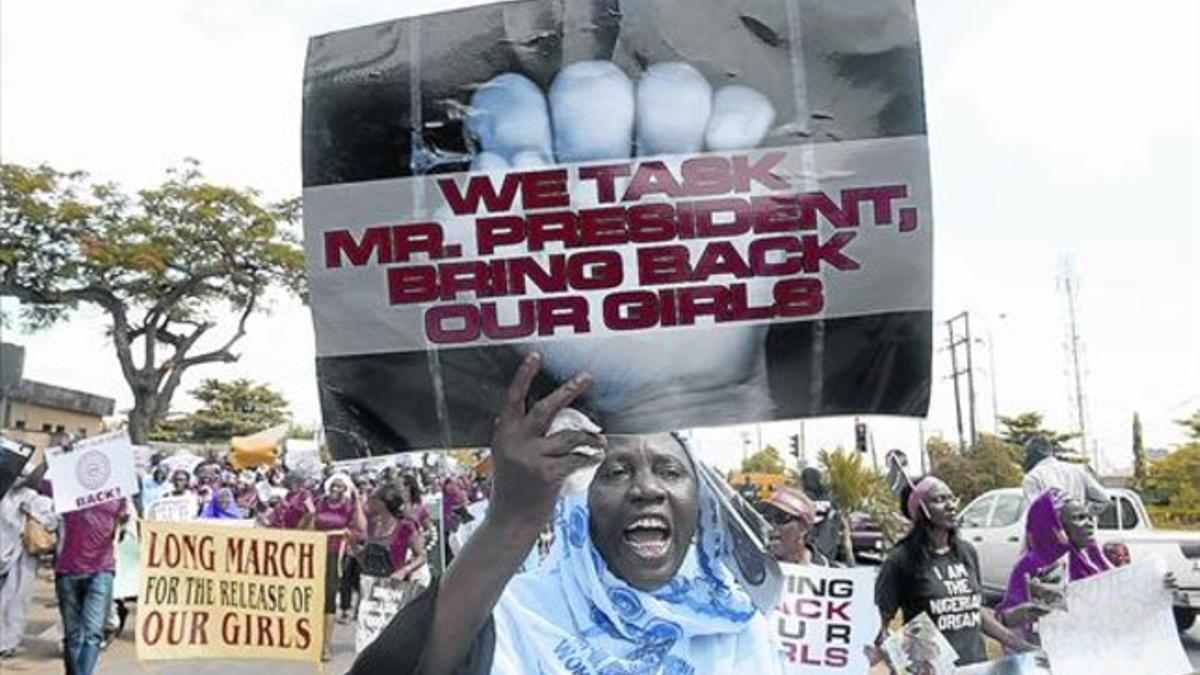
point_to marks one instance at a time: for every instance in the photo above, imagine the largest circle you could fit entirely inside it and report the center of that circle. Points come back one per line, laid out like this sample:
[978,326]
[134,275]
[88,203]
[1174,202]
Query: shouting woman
[633,583]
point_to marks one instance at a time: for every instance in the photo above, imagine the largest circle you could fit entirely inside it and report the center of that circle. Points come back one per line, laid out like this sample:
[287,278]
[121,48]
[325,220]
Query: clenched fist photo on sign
[720,210]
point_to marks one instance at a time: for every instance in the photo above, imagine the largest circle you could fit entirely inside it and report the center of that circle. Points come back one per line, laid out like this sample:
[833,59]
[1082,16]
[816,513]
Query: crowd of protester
[380,526]
[378,521]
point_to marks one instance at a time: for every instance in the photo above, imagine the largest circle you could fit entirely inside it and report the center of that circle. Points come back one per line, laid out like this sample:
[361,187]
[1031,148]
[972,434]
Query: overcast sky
[1058,129]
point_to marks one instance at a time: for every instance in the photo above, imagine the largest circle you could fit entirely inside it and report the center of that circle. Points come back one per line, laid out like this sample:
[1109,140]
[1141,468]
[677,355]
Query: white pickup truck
[995,524]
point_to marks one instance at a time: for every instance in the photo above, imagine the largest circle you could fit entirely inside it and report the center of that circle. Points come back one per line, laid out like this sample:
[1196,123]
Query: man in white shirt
[1043,471]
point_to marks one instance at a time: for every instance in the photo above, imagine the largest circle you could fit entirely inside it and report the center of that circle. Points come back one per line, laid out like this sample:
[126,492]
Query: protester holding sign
[392,560]
[181,490]
[1046,543]
[632,583]
[932,571]
[83,580]
[792,515]
[1058,532]
[154,484]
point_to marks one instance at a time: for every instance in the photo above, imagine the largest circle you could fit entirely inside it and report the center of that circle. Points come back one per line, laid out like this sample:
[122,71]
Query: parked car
[867,539]
[995,523]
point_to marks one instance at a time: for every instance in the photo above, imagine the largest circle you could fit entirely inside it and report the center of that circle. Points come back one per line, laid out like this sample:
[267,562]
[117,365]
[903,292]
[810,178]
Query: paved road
[42,651]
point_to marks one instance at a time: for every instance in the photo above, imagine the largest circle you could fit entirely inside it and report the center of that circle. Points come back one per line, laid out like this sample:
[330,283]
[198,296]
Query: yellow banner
[210,591]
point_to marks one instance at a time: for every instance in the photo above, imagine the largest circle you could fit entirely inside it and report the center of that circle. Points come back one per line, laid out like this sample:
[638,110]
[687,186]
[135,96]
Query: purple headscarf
[1046,543]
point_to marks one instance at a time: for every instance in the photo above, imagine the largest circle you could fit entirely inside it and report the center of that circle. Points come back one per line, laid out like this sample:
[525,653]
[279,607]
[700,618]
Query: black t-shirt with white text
[946,586]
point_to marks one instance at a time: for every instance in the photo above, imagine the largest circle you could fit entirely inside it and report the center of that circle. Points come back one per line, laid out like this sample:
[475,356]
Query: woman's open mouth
[648,537]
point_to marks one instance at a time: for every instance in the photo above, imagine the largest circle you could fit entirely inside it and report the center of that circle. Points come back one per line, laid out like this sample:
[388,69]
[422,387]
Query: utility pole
[921,444]
[1068,285]
[954,372]
[992,366]
[960,337]
[874,454]
[970,377]
[803,447]
[991,345]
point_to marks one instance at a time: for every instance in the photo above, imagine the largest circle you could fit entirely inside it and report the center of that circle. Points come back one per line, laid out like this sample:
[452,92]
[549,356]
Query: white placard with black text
[95,470]
[825,616]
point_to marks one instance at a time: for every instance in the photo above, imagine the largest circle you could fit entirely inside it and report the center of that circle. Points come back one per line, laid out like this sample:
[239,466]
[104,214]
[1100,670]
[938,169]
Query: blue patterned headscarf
[214,509]
[576,616]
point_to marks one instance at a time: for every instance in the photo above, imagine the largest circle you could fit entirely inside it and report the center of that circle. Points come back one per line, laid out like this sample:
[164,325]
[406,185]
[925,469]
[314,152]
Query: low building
[32,411]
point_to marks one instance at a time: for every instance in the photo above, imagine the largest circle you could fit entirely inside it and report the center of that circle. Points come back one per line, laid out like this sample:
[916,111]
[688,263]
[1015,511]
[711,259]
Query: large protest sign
[94,470]
[826,615]
[221,592]
[1116,622]
[381,600]
[720,209]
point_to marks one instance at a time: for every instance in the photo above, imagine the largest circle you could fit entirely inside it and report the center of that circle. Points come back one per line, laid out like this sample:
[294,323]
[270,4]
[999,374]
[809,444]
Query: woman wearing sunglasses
[791,516]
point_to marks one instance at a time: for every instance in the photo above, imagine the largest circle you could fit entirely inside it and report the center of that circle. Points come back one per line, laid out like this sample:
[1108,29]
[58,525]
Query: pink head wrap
[917,496]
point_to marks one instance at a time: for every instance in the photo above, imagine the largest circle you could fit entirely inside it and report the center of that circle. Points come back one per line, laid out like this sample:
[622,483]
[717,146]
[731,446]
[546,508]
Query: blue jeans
[83,601]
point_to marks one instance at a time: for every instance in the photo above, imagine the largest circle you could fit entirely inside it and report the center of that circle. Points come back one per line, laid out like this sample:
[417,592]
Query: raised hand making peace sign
[531,466]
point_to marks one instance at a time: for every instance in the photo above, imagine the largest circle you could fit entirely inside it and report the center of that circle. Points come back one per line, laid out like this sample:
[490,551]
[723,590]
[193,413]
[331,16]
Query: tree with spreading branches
[1021,428]
[158,263]
[767,460]
[234,408]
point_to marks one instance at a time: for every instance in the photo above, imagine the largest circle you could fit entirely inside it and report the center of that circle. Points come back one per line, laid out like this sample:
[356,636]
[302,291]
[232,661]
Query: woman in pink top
[339,512]
[395,546]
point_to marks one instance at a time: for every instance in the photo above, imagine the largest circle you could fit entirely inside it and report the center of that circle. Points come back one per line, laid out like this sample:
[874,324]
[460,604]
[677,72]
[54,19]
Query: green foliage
[993,464]
[465,458]
[767,460]
[301,431]
[237,408]
[847,477]
[1019,429]
[172,429]
[1191,425]
[158,262]
[1176,480]
[856,487]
